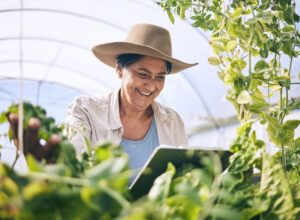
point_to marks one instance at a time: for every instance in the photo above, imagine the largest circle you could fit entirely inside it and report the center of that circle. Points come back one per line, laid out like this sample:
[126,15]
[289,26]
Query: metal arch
[60,67]
[34,80]
[4,91]
[142,3]
[51,83]
[48,40]
[67,13]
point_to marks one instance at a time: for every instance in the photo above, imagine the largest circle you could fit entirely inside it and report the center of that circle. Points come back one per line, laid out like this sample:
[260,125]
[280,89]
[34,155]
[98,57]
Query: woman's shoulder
[86,101]
[165,111]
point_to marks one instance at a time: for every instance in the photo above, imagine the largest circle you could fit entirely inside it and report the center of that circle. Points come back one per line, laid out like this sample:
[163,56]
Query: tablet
[158,161]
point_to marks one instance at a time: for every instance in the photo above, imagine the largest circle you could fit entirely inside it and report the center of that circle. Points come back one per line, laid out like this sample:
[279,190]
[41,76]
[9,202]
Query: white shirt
[100,118]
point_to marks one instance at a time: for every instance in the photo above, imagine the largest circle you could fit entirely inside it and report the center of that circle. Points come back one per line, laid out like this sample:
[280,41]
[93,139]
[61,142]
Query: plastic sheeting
[57,37]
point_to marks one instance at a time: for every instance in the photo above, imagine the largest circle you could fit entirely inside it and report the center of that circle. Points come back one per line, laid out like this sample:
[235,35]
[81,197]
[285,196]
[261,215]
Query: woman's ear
[119,71]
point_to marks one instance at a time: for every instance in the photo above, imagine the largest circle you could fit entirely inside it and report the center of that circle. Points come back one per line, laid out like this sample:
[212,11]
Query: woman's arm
[78,125]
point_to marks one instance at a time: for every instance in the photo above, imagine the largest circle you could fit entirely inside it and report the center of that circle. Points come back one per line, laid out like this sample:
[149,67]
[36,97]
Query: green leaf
[254,52]
[249,213]
[244,129]
[9,186]
[88,145]
[273,128]
[171,17]
[275,188]
[3,117]
[244,97]
[218,48]
[267,17]
[231,45]
[107,168]
[288,29]
[261,65]
[288,131]
[251,21]
[35,189]
[238,63]
[236,13]
[33,164]
[264,52]
[274,46]
[296,145]
[161,186]
[87,194]
[215,61]
[288,14]
[219,212]
[287,47]
[182,207]
[182,13]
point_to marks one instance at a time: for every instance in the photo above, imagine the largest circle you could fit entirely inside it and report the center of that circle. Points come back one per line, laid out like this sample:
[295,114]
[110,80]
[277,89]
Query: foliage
[48,126]
[250,38]
[95,185]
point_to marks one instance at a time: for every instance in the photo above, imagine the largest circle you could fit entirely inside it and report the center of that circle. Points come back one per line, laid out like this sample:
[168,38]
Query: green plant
[89,187]
[250,38]
[95,185]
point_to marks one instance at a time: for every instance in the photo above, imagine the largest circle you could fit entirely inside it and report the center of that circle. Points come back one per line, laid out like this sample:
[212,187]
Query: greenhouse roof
[55,39]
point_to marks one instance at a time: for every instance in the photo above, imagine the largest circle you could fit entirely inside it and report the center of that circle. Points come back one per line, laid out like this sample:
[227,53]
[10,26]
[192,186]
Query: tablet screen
[162,155]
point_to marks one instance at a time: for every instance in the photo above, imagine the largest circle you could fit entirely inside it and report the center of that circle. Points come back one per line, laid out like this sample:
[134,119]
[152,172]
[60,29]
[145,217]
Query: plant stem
[17,156]
[249,51]
[59,179]
[286,88]
[283,156]
[280,107]
[281,121]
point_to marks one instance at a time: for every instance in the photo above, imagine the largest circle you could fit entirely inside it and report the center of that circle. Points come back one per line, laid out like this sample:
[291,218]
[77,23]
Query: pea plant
[255,43]
[250,38]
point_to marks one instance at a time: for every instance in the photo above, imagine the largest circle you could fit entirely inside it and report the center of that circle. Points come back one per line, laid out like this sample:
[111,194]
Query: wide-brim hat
[144,39]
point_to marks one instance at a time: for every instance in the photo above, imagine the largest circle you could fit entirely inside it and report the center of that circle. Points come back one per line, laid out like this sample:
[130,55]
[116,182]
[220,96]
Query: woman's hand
[31,142]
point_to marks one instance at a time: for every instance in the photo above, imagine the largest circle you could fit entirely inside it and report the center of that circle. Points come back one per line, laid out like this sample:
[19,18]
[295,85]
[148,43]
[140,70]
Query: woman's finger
[31,137]
[13,120]
[52,144]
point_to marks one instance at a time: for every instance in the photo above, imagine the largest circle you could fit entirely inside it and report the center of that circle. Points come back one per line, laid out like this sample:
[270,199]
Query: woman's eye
[160,77]
[143,75]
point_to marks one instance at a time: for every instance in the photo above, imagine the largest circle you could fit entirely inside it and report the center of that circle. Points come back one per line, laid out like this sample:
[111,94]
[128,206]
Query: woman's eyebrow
[148,71]
[145,70]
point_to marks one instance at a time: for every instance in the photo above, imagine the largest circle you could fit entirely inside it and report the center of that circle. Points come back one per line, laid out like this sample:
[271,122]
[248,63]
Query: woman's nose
[150,84]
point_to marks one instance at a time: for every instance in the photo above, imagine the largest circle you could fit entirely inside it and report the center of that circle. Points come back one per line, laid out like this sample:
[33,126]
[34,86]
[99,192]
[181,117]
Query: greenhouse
[243,97]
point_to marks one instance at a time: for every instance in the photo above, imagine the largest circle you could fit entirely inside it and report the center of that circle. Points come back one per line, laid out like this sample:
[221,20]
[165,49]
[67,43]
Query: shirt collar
[160,113]
[114,114]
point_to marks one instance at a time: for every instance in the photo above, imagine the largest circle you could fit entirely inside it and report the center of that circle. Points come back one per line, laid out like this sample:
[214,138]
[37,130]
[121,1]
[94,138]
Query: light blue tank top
[139,151]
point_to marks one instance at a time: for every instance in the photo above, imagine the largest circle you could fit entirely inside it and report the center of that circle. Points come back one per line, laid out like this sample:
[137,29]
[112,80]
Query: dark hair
[125,60]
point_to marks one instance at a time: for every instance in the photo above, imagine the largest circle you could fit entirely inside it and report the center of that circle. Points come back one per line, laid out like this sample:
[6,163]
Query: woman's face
[142,82]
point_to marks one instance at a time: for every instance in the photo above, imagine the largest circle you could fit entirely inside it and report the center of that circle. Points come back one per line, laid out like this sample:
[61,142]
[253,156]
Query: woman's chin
[142,106]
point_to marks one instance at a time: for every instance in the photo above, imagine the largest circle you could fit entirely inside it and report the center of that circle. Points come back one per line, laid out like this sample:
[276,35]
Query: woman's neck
[128,112]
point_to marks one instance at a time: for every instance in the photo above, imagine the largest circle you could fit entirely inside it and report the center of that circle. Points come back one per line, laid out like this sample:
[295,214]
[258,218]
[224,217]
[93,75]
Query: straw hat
[144,39]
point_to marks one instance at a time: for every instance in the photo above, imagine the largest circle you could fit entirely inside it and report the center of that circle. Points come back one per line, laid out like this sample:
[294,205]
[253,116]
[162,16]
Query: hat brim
[108,53]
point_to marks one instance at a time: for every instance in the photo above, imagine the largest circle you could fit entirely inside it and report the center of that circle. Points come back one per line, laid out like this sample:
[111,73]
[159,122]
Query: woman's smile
[147,94]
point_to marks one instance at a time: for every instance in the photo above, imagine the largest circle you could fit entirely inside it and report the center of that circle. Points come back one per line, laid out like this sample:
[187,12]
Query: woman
[130,116]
